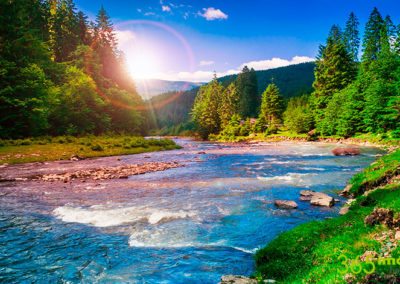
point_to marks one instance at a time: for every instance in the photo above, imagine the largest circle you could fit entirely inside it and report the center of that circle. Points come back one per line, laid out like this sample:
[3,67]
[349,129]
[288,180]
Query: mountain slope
[153,87]
[173,108]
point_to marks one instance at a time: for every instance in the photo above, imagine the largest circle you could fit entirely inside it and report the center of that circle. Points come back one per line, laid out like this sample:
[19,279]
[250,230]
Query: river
[185,225]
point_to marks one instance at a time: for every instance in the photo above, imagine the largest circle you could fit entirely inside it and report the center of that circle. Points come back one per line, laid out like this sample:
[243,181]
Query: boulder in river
[346,151]
[306,195]
[237,279]
[286,204]
[322,199]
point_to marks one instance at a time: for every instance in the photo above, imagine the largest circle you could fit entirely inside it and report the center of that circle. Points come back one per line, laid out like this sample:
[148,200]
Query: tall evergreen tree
[205,109]
[229,104]
[334,70]
[391,31]
[83,29]
[248,92]
[271,106]
[65,30]
[351,36]
[372,37]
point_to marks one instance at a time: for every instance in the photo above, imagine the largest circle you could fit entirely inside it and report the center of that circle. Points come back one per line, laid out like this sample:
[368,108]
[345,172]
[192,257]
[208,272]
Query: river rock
[322,199]
[306,195]
[344,210]
[346,151]
[75,158]
[346,190]
[237,279]
[380,216]
[286,204]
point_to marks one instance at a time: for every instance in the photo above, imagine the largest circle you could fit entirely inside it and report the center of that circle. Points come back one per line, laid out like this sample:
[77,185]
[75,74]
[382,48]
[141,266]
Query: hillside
[153,87]
[292,80]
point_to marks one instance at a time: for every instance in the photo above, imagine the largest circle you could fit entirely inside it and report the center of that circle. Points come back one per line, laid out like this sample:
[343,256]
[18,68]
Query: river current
[185,225]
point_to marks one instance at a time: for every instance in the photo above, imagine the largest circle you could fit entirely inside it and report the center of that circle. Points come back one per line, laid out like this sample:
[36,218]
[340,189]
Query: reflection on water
[183,225]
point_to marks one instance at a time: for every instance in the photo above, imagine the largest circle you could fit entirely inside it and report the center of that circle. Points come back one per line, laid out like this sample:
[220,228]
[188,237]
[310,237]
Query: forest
[61,74]
[172,110]
[351,93]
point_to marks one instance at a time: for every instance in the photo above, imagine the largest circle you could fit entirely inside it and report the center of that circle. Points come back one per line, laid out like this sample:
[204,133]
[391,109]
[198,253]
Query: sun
[143,65]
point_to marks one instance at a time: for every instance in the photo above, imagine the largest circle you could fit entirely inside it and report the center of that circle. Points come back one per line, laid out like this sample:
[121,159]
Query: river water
[183,225]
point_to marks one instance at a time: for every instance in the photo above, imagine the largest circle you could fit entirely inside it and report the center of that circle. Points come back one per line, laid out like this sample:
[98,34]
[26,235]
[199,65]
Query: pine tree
[271,106]
[205,109]
[105,44]
[83,29]
[351,36]
[334,70]
[229,104]
[391,31]
[248,92]
[372,38]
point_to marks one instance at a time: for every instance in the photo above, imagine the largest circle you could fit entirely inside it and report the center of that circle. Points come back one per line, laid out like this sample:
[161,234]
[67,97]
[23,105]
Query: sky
[189,40]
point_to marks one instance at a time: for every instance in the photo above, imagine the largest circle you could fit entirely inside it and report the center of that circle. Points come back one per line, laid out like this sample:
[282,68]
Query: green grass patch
[62,148]
[376,174]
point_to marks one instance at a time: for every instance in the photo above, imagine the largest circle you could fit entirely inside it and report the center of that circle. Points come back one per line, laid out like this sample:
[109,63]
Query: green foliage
[370,103]
[173,108]
[376,174]
[298,116]
[229,105]
[246,84]
[343,113]
[335,69]
[372,43]
[77,107]
[351,36]
[206,107]
[58,75]
[232,129]
[23,100]
[271,106]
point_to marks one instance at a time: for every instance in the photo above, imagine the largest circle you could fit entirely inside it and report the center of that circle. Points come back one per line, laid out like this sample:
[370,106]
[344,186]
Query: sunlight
[143,65]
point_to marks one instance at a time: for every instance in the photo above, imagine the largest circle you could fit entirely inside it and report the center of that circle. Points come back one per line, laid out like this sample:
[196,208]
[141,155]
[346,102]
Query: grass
[314,252]
[376,174]
[63,147]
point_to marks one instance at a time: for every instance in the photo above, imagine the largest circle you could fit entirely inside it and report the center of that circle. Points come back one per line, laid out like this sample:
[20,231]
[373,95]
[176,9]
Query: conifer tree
[351,36]
[229,104]
[271,106]
[205,110]
[334,70]
[65,30]
[83,29]
[372,38]
[248,92]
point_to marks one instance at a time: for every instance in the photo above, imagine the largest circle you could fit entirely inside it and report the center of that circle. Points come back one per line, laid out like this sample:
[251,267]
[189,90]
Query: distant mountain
[173,108]
[150,88]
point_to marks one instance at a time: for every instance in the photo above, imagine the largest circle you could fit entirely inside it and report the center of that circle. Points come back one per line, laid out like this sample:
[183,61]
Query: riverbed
[189,224]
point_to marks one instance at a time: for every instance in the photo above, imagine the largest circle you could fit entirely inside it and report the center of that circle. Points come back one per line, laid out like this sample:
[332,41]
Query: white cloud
[149,14]
[276,62]
[166,8]
[211,14]
[206,62]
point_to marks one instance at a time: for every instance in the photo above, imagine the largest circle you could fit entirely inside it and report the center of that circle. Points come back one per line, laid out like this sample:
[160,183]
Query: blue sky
[188,40]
